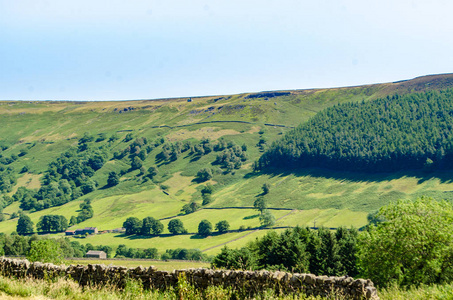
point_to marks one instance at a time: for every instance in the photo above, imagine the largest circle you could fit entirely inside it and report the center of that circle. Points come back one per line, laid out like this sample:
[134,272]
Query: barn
[96,254]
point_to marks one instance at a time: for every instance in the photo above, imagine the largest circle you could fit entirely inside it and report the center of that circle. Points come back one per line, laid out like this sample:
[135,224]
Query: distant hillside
[413,131]
[143,159]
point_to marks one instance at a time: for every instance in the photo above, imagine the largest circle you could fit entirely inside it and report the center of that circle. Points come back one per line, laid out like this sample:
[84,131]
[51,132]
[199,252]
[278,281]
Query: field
[130,263]
[314,197]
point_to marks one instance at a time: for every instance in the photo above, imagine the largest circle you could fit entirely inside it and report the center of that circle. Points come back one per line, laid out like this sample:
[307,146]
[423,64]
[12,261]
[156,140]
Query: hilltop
[104,136]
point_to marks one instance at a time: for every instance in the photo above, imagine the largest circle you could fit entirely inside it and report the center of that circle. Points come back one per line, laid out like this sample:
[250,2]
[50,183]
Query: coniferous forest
[413,131]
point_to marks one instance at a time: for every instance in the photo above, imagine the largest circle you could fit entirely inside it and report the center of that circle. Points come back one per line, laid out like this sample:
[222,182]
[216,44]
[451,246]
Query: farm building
[69,232]
[96,254]
[89,230]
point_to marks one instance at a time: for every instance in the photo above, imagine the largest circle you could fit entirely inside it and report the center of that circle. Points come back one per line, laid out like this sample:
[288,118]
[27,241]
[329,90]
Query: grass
[130,263]
[326,218]
[162,243]
[29,181]
[423,292]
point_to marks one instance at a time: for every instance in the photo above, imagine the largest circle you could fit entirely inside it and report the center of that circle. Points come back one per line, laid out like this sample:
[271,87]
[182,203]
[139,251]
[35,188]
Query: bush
[204,175]
[222,226]
[45,251]
[413,245]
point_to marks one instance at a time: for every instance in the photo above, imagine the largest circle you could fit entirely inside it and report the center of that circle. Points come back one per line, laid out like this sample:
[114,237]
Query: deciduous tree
[222,226]
[24,225]
[175,226]
[413,245]
[204,228]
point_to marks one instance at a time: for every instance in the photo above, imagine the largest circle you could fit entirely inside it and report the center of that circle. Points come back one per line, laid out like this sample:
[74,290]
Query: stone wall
[250,281]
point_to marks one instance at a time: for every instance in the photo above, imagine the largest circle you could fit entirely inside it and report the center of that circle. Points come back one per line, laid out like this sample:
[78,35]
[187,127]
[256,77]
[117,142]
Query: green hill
[55,155]
[394,133]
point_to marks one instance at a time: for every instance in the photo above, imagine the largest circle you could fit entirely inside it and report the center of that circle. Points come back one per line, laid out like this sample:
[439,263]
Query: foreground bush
[413,245]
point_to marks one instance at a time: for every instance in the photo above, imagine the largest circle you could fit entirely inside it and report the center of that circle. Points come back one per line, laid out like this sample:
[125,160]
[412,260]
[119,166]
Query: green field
[318,197]
[130,263]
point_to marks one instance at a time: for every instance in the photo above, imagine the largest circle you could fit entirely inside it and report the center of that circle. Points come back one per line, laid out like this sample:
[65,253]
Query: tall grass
[422,292]
[68,289]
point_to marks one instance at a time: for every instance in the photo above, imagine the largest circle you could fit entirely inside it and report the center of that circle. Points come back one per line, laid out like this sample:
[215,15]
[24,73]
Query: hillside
[58,154]
[385,135]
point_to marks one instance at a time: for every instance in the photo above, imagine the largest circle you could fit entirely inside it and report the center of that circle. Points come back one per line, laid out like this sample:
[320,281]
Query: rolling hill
[180,137]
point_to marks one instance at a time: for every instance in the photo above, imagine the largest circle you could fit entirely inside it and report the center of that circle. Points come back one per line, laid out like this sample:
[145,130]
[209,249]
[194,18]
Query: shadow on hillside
[251,217]
[148,237]
[445,176]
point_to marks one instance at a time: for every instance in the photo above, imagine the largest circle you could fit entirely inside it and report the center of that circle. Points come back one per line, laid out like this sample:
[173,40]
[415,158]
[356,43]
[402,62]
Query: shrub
[413,245]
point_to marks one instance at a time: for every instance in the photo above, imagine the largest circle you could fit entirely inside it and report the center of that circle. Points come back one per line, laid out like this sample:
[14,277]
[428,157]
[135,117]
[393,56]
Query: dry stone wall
[250,281]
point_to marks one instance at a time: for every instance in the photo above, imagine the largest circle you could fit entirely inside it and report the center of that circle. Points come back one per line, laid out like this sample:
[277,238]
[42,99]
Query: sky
[137,49]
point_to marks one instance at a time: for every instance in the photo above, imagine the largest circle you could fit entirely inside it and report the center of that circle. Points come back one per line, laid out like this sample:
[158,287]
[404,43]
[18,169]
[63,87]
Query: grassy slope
[327,198]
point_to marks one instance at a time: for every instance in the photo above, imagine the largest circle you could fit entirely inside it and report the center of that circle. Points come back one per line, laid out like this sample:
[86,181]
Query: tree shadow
[198,237]
[251,217]
[445,176]
[252,175]
[195,158]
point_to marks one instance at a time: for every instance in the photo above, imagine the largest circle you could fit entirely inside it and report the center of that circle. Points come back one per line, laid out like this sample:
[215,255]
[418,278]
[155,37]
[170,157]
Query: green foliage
[232,157]
[151,226]
[67,178]
[47,250]
[266,187]
[124,251]
[413,245]
[204,228]
[137,163]
[207,189]
[184,254]
[267,219]
[128,137]
[7,179]
[52,223]
[152,171]
[329,251]
[222,226]
[287,251]
[260,204]
[395,133]
[73,221]
[175,226]
[235,259]
[190,208]
[86,211]
[24,225]
[298,249]
[204,174]
[113,179]
[207,198]
[132,225]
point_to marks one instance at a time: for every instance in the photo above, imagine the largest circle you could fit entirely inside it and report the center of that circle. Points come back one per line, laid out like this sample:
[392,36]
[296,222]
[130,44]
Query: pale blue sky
[136,49]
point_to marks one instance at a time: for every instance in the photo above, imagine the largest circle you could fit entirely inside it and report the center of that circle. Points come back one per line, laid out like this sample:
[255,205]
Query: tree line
[231,156]
[301,250]
[45,249]
[409,242]
[150,226]
[67,178]
[413,131]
